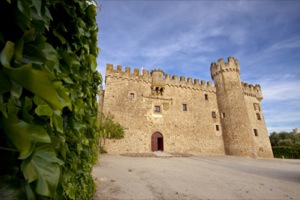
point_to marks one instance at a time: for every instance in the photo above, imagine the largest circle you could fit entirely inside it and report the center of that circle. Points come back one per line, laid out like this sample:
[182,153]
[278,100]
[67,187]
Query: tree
[108,128]
[284,139]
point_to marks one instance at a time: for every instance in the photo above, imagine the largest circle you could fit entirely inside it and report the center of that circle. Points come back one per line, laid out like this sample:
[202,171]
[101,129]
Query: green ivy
[48,105]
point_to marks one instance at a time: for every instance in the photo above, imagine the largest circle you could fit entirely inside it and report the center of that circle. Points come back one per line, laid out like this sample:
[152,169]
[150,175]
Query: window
[157,109]
[206,96]
[256,106]
[213,114]
[258,116]
[217,128]
[131,95]
[255,132]
[223,115]
[184,107]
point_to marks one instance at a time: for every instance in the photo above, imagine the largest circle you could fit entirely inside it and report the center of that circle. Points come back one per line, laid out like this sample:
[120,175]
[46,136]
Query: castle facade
[164,113]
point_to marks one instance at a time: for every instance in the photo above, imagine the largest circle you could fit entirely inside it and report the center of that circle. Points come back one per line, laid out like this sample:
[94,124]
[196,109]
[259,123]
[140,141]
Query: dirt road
[196,177]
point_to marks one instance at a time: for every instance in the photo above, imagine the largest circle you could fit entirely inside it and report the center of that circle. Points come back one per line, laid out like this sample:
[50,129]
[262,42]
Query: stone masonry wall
[191,131]
[261,137]
[217,120]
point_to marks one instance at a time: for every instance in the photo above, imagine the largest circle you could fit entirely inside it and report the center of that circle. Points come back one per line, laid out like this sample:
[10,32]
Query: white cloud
[288,43]
[281,91]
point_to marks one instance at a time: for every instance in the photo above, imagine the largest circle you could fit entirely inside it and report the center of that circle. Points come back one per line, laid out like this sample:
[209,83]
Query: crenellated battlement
[252,90]
[136,72]
[231,65]
[145,76]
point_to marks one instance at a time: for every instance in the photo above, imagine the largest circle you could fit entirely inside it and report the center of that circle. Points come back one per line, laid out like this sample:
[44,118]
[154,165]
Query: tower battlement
[146,76]
[231,65]
[136,72]
[252,90]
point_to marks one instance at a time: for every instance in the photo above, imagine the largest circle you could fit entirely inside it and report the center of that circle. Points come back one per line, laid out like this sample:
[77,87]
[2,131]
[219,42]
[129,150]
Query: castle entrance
[157,142]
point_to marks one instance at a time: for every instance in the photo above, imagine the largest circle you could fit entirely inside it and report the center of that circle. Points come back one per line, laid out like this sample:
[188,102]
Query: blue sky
[184,37]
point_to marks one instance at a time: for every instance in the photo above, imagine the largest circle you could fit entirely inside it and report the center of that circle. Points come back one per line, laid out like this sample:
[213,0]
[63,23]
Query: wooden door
[157,142]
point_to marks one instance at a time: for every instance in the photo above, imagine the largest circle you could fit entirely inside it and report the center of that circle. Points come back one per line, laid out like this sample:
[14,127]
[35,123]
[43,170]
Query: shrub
[286,152]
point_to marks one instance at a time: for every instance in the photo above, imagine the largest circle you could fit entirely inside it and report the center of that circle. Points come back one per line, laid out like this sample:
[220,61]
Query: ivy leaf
[44,110]
[32,54]
[43,166]
[72,61]
[5,83]
[26,107]
[92,61]
[59,36]
[38,83]
[19,49]
[24,7]
[7,53]
[57,121]
[29,193]
[23,135]
[51,58]
[16,90]
[3,110]
[38,4]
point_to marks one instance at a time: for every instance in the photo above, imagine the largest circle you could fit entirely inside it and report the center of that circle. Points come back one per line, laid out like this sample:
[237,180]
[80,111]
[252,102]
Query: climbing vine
[48,106]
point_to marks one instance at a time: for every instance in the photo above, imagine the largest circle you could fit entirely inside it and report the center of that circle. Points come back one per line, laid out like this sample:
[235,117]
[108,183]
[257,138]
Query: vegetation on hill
[48,106]
[285,145]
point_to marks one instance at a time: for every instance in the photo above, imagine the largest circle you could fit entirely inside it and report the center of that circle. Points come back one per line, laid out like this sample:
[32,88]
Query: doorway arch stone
[157,142]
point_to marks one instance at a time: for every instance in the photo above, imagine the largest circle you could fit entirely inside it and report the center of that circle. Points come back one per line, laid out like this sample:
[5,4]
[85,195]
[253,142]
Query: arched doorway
[157,142]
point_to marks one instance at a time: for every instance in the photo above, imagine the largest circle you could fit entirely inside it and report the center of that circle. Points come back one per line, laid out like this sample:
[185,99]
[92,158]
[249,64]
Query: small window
[184,107]
[258,116]
[213,114]
[206,96]
[131,95]
[157,109]
[217,128]
[256,106]
[255,132]
[223,115]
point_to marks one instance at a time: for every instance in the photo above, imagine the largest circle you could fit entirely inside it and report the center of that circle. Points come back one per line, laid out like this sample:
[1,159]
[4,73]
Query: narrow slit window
[214,114]
[206,96]
[255,132]
[157,109]
[223,115]
[184,107]
[217,128]
[258,116]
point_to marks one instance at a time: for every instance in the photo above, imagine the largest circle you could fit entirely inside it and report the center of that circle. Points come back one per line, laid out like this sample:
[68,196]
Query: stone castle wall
[132,98]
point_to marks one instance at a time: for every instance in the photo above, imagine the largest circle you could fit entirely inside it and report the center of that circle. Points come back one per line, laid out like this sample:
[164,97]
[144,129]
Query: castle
[161,113]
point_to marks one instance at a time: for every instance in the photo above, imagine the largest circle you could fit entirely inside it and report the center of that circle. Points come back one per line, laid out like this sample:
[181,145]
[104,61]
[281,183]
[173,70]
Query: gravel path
[196,177]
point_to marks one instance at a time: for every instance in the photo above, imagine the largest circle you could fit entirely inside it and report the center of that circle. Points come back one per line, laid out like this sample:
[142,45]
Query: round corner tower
[237,132]
[158,82]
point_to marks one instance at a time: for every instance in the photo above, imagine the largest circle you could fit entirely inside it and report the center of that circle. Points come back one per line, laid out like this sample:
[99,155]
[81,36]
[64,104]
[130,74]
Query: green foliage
[285,139]
[108,129]
[285,145]
[286,152]
[48,105]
